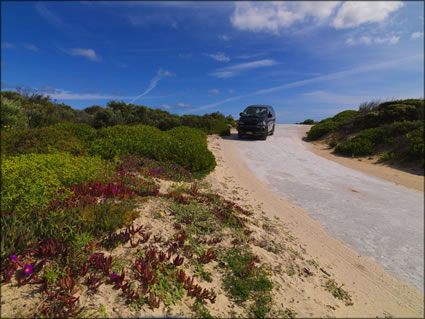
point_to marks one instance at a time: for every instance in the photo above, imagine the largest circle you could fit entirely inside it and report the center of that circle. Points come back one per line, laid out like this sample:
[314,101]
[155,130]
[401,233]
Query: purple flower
[104,198]
[113,276]
[13,257]
[114,190]
[28,269]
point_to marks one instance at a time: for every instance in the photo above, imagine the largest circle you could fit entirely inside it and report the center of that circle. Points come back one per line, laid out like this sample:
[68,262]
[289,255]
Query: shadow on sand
[234,137]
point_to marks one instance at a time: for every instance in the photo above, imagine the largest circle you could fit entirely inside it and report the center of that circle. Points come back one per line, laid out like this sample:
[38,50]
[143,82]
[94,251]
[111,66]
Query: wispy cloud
[181,104]
[89,54]
[219,56]
[31,47]
[159,75]
[185,55]
[248,56]
[223,37]
[236,69]
[165,106]
[7,45]
[213,92]
[417,35]
[49,15]
[60,94]
[370,40]
[323,78]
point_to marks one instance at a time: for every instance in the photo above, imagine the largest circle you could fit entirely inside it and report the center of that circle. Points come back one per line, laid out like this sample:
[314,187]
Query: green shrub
[182,146]
[401,128]
[307,122]
[221,128]
[389,112]
[330,124]
[31,181]
[42,141]
[242,281]
[12,115]
[184,133]
[107,217]
[416,143]
[322,128]
[363,143]
[82,131]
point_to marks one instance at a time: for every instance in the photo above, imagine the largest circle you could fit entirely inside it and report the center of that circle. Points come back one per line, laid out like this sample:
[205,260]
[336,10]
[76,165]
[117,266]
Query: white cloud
[277,16]
[274,16]
[219,57]
[224,37]
[89,54]
[354,13]
[181,104]
[31,47]
[213,92]
[236,69]
[165,106]
[7,45]
[369,40]
[417,35]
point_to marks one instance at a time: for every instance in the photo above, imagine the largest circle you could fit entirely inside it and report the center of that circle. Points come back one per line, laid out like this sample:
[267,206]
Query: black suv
[257,120]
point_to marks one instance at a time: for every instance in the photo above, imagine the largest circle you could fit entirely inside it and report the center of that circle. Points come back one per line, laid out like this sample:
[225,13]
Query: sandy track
[375,291]
[373,216]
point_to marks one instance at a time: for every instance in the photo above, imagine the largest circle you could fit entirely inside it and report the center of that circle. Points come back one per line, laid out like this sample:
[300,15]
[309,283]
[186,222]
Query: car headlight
[263,123]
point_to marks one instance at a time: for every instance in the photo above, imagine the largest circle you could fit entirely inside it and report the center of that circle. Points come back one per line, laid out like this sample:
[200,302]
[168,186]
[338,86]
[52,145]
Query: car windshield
[255,111]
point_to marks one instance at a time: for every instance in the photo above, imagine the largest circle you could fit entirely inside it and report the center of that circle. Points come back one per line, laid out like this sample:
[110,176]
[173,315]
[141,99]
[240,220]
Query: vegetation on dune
[28,109]
[307,122]
[330,124]
[392,129]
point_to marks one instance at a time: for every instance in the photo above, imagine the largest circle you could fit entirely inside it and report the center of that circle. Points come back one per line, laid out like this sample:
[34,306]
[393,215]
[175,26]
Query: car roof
[260,105]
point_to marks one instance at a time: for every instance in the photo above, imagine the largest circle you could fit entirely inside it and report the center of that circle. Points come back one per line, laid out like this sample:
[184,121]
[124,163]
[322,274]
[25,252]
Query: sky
[309,60]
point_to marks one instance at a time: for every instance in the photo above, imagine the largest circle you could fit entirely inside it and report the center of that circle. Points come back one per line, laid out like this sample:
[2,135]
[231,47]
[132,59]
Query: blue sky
[307,59]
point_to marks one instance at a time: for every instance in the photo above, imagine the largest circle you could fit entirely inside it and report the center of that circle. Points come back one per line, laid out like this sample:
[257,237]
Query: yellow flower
[161,213]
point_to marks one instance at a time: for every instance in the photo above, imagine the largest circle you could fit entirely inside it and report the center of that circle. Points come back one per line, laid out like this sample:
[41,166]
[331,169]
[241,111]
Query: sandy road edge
[374,290]
[367,166]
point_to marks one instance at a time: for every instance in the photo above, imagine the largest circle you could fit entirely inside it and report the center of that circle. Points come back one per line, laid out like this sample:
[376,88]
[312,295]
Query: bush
[107,217]
[389,112]
[221,128]
[12,115]
[307,122]
[322,128]
[416,143]
[182,146]
[330,124]
[82,131]
[120,140]
[362,144]
[401,128]
[42,141]
[31,181]
[184,133]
